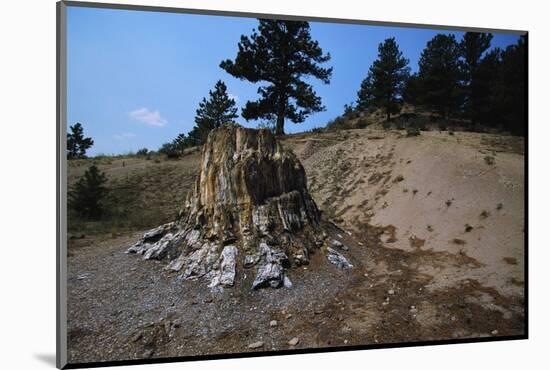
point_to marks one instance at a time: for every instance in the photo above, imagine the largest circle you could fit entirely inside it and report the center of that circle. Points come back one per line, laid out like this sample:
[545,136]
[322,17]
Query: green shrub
[489,160]
[362,123]
[87,195]
[413,131]
[142,152]
[170,150]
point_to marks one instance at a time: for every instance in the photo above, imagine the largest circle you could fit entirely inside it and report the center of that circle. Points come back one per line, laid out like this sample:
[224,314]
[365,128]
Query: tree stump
[249,208]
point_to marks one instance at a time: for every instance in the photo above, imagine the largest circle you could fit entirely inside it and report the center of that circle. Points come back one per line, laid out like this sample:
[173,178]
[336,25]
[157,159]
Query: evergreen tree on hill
[77,144]
[510,90]
[439,75]
[280,54]
[87,195]
[383,86]
[214,112]
[472,48]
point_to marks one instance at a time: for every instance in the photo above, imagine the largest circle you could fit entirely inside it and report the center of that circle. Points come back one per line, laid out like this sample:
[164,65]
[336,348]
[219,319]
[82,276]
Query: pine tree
[77,144]
[472,48]
[383,86]
[510,91]
[439,75]
[487,110]
[365,95]
[214,112]
[87,196]
[281,53]
[180,143]
[412,93]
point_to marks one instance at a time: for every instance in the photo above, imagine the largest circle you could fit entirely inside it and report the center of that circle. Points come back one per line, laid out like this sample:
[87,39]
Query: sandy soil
[433,192]
[424,269]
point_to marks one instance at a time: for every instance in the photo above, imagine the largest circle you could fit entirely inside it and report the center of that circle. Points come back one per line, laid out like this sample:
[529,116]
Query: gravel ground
[121,307]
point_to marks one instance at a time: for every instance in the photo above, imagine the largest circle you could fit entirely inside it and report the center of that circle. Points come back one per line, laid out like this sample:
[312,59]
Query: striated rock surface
[250,208]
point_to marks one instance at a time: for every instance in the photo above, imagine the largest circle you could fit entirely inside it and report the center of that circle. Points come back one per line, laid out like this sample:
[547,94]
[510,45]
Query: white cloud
[148,117]
[234,97]
[124,136]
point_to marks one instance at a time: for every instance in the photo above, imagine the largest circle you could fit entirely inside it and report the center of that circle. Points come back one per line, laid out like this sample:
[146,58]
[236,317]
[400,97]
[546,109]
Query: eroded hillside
[461,195]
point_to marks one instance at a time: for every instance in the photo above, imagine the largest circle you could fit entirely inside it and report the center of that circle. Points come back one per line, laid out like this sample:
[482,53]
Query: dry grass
[142,193]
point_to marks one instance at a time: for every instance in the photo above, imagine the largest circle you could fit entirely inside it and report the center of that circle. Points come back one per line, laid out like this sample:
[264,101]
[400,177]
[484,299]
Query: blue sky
[135,78]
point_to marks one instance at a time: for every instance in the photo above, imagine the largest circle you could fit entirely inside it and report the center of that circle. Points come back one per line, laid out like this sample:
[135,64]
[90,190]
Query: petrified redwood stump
[250,208]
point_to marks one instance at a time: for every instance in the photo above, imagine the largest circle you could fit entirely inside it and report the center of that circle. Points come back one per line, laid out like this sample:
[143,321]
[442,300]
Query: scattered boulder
[338,244]
[225,274]
[251,260]
[338,259]
[294,341]
[270,268]
[136,337]
[256,345]
[286,282]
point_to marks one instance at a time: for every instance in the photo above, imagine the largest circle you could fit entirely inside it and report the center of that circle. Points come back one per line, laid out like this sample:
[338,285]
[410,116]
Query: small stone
[289,316]
[251,260]
[336,243]
[286,282]
[338,259]
[494,332]
[255,345]
[391,292]
[345,341]
[273,323]
[167,327]
[366,274]
[137,337]
[148,353]
[84,276]
[294,341]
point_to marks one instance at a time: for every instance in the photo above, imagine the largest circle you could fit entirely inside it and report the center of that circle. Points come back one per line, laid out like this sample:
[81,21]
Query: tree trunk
[280,128]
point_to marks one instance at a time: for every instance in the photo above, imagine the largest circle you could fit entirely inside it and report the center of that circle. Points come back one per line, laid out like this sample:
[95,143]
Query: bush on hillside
[170,150]
[87,196]
[413,131]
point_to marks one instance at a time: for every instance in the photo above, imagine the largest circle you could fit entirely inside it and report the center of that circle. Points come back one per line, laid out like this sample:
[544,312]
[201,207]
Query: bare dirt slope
[434,230]
[461,194]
